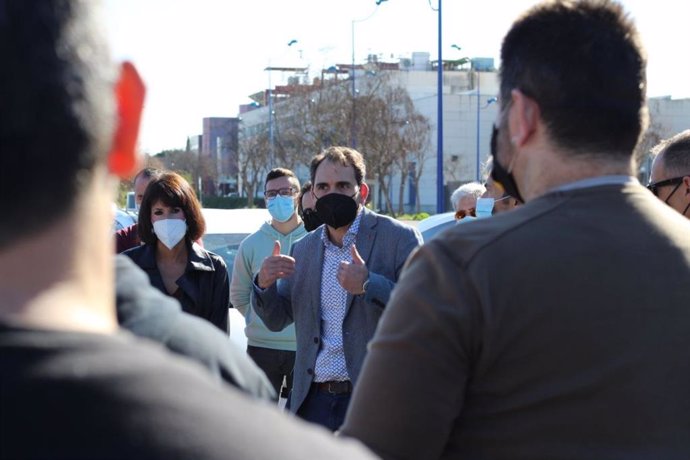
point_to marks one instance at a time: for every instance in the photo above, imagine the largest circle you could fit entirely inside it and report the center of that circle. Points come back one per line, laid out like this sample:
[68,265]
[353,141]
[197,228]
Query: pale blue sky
[202,58]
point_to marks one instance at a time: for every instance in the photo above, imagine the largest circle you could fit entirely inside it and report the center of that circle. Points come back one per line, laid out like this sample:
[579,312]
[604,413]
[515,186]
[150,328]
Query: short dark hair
[275,173]
[582,62]
[306,188]
[675,153]
[172,190]
[57,111]
[344,156]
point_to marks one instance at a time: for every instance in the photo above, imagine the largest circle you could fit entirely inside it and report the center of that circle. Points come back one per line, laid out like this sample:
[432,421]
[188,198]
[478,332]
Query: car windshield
[225,245]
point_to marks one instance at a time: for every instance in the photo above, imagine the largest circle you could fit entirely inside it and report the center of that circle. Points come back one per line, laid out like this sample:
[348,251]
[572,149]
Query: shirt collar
[351,234]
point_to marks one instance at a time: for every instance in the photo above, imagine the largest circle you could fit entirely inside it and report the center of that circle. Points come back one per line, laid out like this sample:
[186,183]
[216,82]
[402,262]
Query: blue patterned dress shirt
[330,362]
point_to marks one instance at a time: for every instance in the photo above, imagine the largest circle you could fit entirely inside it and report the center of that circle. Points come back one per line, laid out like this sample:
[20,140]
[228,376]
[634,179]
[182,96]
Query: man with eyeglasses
[558,330]
[272,351]
[670,177]
[334,286]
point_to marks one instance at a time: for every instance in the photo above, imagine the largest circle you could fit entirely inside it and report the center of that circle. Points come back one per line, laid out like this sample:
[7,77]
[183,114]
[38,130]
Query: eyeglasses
[654,186]
[270,194]
[465,212]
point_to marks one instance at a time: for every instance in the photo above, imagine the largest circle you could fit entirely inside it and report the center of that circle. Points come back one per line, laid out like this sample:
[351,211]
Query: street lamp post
[440,195]
[440,192]
[270,110]
[479,95]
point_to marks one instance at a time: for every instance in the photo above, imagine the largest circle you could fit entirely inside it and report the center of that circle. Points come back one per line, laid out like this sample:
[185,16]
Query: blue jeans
[324,409]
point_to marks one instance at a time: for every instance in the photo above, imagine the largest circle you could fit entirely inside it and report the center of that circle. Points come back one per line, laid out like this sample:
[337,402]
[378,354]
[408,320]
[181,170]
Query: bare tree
[391,132]
[388,130]
[253,161]
[417,145]
[312,119]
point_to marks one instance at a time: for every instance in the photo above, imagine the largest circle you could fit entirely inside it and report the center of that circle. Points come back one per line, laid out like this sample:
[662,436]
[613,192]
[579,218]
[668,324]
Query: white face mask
[170,231]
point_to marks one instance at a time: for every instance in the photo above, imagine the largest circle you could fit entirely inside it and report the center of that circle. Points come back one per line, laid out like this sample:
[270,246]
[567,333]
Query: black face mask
[500,174]
[311,219]
[336,210]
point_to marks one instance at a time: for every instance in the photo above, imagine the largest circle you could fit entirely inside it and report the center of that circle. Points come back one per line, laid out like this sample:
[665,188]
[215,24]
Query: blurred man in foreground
[71,385]
[560,329]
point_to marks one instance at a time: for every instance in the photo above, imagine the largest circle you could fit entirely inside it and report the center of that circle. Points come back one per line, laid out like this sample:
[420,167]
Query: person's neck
[63,277]
[550,168]
[288,226]
[337,235]
[178,254]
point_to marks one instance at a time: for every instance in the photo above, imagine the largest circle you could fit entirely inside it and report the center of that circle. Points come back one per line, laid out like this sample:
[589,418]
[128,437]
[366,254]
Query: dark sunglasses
[654,186]
[465,212]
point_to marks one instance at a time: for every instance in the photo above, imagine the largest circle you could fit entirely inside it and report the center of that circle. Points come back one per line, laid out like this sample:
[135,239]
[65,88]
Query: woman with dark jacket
[170,220]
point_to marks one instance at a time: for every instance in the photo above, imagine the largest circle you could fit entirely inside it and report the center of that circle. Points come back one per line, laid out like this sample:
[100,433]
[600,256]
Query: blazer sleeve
[273,304]
[380,287]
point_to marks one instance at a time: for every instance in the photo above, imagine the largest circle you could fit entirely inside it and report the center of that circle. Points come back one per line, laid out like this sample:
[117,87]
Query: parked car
[123,219]
[225,230]
[433,225]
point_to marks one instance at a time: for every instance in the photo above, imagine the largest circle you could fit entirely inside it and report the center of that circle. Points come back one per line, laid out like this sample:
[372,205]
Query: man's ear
[129,94]
[523,118]
[364,192]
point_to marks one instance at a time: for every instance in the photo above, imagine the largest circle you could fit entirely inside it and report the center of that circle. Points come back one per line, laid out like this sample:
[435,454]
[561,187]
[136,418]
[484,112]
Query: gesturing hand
[352,276]
[275,266]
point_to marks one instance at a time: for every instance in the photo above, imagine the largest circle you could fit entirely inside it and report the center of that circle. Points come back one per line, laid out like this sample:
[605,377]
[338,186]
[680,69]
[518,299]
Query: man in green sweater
[274,352]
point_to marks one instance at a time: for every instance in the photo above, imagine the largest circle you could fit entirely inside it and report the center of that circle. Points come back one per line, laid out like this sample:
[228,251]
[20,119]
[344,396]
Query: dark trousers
[276,364]
[324,409]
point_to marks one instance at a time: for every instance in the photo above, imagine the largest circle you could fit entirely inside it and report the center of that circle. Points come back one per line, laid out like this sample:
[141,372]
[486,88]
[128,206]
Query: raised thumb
[356,258]
[276,248]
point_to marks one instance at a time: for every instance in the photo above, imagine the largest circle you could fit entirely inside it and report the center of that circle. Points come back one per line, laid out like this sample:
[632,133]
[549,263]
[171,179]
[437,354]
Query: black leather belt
[334,388]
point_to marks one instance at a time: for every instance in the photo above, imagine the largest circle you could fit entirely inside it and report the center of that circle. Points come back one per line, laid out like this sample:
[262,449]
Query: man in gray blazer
[558,330]
[334,287]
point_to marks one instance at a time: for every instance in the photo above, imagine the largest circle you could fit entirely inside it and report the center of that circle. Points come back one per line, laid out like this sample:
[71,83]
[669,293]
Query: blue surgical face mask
[281,207]
[484,208]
